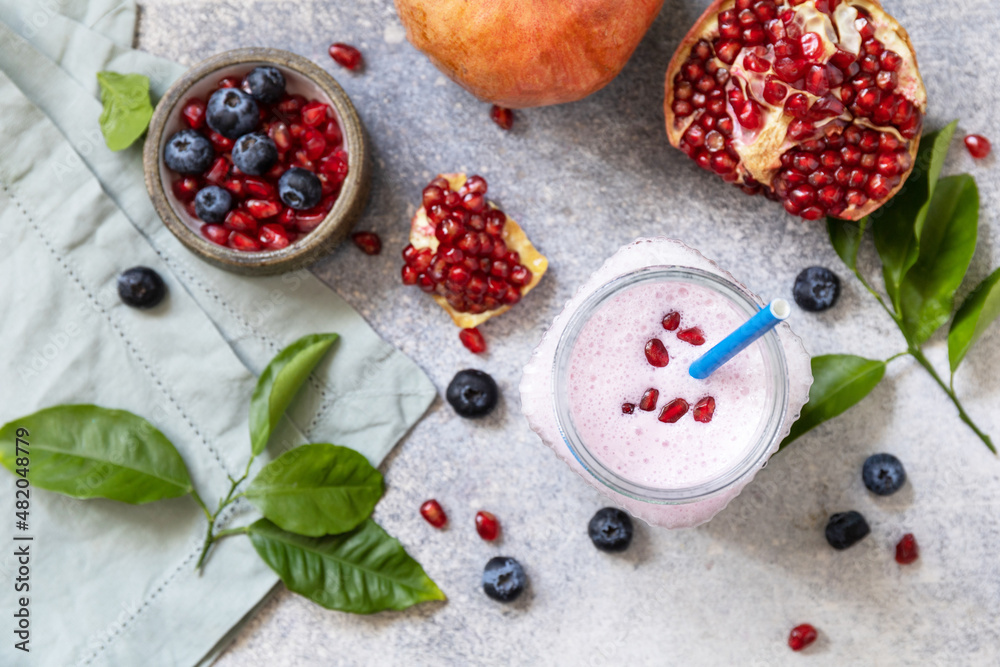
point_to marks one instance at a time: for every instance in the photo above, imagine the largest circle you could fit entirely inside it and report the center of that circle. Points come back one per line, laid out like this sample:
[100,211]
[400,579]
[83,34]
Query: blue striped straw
[758,325]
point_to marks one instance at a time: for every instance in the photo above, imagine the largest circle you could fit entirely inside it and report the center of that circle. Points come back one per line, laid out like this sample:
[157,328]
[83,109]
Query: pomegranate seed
[656,353]
[241,222]
[694,336]
[314,113]
[755,63]
[218,171]
[433,514]
[671,320]
[503,117]
[345,55]
[186,188]
[262,208]
[487,526]
[789,70]
[907,550]
[229,82]
[194,113]
[704,410]
[409,275]
[520,275]
[801,636]
[274,237]
[648,401]
[811,45]
[774,91]
[978,146]
[628,408]
[215,233]
[727,50]
[750,115]
[369,242]
[673,411]
[240,241]
[473,340]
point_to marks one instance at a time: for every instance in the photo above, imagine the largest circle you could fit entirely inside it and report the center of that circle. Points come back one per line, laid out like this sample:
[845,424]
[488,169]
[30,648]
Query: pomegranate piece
[487,526]
[274,237]
[656,353]
[240,241]
[369,242]
[433,514]
[672,320]
[907,550]
[194,113]
[704,410]
[628,408]
[503,117]
[770,106]
[649,398]
[473,340]
[345,55]
[215,233]
[801,636]
[694,336]
[473,259]
[673,411]
[978,146]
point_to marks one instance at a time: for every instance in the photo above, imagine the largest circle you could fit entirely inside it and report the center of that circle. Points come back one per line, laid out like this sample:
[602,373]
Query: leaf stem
[918,354]
[210,536]
[897,356]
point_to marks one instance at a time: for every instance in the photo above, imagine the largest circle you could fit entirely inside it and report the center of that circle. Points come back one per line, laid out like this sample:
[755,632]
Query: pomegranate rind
[761,159]
[422,236]
[521,54]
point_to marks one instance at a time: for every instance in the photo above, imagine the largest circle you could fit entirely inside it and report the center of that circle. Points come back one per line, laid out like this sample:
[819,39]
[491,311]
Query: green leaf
[897,225]
[127,108]
[947,243]
[846,235]
[317,490]
[279,383]
[362,572]
[840,381]
[978,312]
[86,451]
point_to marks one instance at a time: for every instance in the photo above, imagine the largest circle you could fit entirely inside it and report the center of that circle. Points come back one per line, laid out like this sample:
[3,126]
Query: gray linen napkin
[114,584]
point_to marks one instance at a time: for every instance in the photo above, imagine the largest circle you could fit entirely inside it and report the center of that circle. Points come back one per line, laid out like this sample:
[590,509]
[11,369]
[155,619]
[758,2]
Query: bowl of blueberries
[257,161]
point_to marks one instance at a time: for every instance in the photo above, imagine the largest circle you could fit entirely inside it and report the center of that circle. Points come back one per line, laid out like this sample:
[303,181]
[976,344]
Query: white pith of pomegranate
[467,253]
[815,103]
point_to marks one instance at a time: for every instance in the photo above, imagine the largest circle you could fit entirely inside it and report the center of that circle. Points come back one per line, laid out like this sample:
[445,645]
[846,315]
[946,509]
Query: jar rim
[768,430]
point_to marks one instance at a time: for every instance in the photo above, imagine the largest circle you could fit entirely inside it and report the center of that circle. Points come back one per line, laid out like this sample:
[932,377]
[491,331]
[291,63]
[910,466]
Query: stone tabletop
[584,179]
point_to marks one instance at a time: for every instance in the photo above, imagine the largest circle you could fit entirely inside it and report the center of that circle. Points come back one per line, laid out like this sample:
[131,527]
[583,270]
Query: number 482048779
[22,494]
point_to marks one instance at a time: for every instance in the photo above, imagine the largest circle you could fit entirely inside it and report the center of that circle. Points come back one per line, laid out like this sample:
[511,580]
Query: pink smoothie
[608,367]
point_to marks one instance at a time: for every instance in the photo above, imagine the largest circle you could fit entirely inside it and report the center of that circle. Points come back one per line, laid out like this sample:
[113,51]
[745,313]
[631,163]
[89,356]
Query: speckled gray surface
[584,179]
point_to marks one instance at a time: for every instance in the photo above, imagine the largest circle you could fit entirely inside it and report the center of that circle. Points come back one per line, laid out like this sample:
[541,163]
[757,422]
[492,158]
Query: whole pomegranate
[528,53]
[815,103]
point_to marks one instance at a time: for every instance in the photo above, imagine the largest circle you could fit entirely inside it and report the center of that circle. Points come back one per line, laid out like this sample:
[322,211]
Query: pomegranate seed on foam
[978,146]
[656,353]
[838,122]
[345,55]
[369,242]
[704,410]
[694,336]
[487,526]
[433,514]
[473,340]
[503,117]
[801,636]
[907,550]
[648,401]
[673,411]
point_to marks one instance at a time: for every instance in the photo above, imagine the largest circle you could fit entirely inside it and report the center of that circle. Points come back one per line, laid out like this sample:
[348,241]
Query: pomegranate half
[815,103]
[528,53]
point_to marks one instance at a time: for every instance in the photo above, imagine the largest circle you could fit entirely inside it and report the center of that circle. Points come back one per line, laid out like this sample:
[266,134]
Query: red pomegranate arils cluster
[851,122]
[472,268]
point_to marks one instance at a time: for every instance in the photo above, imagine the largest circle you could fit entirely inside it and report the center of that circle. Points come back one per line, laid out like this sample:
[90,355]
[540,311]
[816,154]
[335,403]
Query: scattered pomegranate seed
[801,636]
[648,401]
[907,550]
[345,55]
[194,113]
[656,353]
[694,336]
[473,340]
[487,526]
[369,242]
[628,408]
[704,410]
[432,512]
[978,145]
[671,320]
[502,117]
[673,411]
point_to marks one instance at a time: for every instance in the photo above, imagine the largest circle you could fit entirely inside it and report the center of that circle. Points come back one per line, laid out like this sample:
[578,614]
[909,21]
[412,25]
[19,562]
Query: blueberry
[188,152]
[846,529]
[232,113]
[141,287]
[299,188]
[211,204]
[503,579]
[816,289]
[883,474]
[610,529]
[264,84]
[472,393]
[254,153]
